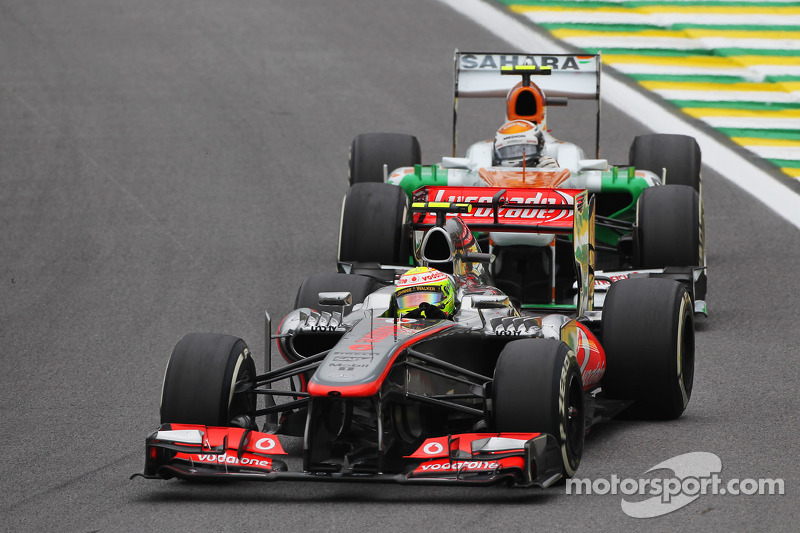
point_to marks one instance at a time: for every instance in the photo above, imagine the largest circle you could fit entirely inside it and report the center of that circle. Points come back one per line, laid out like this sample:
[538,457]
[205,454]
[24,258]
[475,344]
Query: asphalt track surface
[172,166]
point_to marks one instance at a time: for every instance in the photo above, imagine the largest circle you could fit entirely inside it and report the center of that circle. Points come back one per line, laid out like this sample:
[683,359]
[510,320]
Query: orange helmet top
[525,103]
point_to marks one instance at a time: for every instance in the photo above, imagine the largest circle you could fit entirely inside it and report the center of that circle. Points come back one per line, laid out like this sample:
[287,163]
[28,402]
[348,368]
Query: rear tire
[679,154]
[668,227]
[200,382]
[648,337]
[374,225]
[370,151]
[538,388]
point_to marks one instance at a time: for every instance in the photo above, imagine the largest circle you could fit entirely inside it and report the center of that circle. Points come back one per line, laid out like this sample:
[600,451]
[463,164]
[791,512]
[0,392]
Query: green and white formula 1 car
[649,211]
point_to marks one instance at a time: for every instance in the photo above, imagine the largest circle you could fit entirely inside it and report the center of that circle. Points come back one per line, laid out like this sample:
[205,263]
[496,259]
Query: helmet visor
[517,152]
[418,295]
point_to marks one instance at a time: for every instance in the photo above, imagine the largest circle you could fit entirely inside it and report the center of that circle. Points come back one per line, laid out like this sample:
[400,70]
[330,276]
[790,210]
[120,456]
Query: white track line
[722,159]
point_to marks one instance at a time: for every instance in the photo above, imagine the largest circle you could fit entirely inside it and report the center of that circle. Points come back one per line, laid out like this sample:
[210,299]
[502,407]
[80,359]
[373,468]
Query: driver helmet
[425,285]
[518,141]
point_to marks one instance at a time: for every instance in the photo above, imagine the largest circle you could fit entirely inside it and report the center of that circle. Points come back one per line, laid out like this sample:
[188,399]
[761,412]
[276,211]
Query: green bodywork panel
[619,192]
[422,176]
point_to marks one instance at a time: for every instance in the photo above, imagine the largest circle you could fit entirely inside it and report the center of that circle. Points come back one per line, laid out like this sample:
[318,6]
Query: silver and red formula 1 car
[489,394]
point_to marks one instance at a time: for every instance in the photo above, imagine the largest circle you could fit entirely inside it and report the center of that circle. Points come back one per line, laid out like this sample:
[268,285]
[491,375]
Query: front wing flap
[194,451]
[200,452]
[522,459]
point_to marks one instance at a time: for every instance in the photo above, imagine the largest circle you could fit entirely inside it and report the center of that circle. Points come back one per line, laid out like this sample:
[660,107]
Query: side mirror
[335,298]
[495,301]
[456,162]
[592,164]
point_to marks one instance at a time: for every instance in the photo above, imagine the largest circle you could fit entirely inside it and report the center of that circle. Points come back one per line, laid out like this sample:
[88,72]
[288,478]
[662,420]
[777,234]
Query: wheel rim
[685,356]
[242,402]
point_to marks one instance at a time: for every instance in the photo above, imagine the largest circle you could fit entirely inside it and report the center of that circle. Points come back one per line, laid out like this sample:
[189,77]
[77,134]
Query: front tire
[538,388]
[648,337]
[200,383]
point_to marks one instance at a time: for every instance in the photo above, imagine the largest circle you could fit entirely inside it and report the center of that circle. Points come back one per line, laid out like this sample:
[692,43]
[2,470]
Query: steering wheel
[429,311]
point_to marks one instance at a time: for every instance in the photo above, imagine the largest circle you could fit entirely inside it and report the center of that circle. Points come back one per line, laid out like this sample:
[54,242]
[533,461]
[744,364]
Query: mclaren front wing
[201,452]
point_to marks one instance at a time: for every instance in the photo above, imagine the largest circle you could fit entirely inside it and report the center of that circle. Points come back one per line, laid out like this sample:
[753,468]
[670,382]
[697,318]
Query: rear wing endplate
[478,75]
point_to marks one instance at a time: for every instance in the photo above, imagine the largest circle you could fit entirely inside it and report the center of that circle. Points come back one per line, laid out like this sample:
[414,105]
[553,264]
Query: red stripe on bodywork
[591,357]
[439,446]
[215,437]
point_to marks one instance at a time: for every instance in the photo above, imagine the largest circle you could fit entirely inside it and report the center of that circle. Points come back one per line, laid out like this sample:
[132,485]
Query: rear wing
[492,209]
[478,75]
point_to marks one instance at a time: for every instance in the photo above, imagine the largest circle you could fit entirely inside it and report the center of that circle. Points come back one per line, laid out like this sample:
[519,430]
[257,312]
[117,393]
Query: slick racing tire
[370,151]
[538,388]
[679,154]
[200,384]
[648,337]
[358,286]
[374,225]
[669,228]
